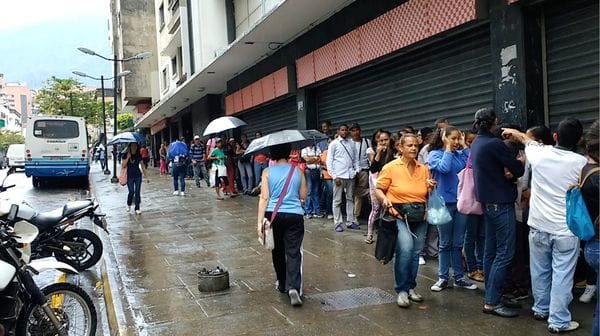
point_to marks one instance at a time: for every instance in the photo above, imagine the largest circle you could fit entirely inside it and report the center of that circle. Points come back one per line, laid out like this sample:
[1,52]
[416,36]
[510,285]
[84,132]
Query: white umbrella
[298,139]
[223,124]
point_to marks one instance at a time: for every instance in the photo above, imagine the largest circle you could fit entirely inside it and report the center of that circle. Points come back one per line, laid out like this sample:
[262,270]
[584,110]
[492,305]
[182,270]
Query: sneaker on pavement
[464,283]
[318,216]
[555,330]
[309,216]
[138,212]
[339,228]
[403,300]
[182,193]
[353,226]
[295,299]
[329,216]
[540,316]
[129,208]
[440,285]
[176,193]
[422,260]
[414,296]
[588,294]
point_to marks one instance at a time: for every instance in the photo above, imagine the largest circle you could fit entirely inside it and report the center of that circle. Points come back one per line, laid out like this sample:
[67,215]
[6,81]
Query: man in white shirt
[312,156]
[553,247]
[361,181]
[342,165]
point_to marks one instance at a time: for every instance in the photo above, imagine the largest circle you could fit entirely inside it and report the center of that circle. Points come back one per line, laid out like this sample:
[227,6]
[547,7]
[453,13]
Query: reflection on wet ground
[156,256]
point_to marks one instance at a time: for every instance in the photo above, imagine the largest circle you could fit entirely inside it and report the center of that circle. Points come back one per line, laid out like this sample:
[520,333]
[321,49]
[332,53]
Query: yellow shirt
[401,187]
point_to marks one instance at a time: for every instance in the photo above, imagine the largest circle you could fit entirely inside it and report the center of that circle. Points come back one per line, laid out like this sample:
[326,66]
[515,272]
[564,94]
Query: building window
[161,16]
[174,67]
[165,80]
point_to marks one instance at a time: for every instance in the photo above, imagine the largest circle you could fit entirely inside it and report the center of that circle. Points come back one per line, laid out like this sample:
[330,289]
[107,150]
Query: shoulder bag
[578,217]
[467,203]
[266,239]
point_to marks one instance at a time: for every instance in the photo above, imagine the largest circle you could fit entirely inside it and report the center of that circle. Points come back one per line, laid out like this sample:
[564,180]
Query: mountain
[35,53]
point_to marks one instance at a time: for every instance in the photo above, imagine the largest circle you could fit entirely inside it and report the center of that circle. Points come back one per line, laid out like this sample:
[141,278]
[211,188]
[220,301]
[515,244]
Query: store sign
[159,126]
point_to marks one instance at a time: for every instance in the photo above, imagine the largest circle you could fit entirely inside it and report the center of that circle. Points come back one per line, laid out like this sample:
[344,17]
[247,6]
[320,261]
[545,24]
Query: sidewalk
[156,257]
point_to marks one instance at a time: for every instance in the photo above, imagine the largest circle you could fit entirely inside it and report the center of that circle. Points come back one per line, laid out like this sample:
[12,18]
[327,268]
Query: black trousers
[288,233]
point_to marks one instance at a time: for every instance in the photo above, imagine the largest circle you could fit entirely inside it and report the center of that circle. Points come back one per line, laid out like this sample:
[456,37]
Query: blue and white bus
[56,146]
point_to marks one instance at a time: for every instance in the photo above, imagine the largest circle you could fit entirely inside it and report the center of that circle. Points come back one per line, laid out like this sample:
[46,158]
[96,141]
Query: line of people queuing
[519,244]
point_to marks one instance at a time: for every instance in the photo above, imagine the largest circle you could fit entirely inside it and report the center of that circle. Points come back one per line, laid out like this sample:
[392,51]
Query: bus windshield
[56,129]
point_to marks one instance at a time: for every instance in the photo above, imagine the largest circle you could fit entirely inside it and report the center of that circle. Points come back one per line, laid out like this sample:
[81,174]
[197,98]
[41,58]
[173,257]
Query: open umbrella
[297,138]
[127,137]
[223,124]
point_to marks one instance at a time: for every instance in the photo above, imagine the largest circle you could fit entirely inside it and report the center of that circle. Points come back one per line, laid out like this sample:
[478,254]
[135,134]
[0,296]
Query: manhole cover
[352,298]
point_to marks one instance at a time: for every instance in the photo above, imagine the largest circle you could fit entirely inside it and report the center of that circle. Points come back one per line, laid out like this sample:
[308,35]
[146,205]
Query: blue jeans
[200,170]
[552,262]
[500,240]
[406,263]
[474,242]
[313,184]
[452,237]
[258,168]
[179,175]
[134,186]
[328,196]
[592,256]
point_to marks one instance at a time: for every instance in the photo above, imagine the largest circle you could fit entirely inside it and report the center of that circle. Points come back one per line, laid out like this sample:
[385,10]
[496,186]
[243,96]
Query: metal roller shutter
[450,78]
[272,117]
[572,63]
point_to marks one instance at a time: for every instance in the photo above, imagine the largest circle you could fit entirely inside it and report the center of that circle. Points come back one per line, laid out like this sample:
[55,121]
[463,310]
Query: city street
[153,260]
[53,196]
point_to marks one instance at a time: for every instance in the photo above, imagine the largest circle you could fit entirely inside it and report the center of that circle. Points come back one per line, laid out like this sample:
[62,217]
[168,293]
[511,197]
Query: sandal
[220,198]
[369,239]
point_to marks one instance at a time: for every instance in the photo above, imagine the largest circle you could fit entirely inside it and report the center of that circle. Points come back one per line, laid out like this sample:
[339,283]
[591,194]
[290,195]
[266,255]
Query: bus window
[56,129]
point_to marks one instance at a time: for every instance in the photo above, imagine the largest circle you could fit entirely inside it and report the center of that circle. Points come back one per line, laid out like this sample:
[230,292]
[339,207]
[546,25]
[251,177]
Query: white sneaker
[422,260]
[403,300]
[129,208]
[329,216]
[588,294]
[182,194]
[138,212]
[572,326]
[176,193]
[414,296]
[295,299]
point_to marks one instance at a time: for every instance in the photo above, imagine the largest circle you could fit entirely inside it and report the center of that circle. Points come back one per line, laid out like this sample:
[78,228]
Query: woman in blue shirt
[447,157]
[288,224]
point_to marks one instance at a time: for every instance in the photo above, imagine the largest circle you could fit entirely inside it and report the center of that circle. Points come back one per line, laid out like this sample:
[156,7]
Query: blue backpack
[578,217]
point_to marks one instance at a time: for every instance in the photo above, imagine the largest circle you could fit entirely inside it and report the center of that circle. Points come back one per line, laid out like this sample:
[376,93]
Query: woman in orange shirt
[402,188]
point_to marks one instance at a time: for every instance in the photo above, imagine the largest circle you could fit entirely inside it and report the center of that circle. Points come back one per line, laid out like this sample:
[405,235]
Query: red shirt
[144,153]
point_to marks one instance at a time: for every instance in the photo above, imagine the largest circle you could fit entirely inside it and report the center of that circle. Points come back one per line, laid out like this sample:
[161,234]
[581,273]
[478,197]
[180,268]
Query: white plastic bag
[437,212]
[266,239]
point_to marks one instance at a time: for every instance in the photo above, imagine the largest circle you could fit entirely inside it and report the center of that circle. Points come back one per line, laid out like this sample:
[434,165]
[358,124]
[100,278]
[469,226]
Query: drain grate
[352,298]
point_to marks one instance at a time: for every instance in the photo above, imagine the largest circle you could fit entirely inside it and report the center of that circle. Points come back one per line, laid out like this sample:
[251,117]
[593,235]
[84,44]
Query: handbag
[578,217]
[123,176]
[266,238]
[437,212]
[385,246]
[221,170]
[467,203]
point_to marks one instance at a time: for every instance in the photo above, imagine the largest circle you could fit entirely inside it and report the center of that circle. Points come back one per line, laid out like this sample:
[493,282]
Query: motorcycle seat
[72,207]
[44,220]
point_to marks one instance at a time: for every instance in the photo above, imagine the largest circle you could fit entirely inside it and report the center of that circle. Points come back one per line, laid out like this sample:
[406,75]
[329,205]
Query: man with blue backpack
[179,155]
[554,249]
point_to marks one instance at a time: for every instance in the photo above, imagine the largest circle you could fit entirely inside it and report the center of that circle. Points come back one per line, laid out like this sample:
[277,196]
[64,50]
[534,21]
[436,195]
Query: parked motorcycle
[79,248]
[61,309]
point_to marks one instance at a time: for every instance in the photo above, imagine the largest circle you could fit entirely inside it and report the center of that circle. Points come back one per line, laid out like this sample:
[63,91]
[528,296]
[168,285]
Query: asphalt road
[51,196]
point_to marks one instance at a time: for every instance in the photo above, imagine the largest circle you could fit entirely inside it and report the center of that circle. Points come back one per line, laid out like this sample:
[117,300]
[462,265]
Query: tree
[124,121]
[8,138]
[66,97]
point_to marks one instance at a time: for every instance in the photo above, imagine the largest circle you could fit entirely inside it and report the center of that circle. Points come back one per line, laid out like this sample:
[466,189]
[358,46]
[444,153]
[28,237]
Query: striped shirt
[197,152]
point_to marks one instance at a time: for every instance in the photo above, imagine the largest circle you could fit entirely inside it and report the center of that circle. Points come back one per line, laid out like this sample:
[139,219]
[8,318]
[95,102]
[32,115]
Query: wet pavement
[50,197]
[153,260]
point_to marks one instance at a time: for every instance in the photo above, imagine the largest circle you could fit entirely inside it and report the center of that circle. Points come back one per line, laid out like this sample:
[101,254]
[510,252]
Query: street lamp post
[101,79]
[115,61]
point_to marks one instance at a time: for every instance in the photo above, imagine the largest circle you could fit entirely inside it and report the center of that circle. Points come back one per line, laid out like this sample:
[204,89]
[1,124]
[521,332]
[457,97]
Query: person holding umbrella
[283,187]
[132,159]
[179,156]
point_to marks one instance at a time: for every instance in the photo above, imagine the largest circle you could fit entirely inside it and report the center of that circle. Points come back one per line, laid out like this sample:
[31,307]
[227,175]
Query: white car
[16,155]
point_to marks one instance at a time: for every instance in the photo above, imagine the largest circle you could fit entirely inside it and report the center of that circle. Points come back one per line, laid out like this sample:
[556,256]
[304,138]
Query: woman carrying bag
[283,187]
[402,189]
[132,159]
[447,158]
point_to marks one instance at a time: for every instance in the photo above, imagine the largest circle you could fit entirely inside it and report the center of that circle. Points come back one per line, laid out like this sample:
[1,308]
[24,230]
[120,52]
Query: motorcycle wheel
[72,307]
[81,258]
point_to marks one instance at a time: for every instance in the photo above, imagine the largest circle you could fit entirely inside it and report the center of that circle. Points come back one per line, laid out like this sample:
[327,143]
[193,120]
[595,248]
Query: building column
[516,64]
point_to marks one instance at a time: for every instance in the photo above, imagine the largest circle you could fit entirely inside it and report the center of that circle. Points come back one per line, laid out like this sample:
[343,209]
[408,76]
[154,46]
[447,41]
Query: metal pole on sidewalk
[106,171]
[114,178]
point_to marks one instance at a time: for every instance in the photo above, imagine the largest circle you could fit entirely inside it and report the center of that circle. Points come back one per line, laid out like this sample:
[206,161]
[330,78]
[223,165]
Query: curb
[113,323]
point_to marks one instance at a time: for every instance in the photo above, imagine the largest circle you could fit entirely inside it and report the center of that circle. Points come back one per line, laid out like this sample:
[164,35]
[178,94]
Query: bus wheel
[36,182]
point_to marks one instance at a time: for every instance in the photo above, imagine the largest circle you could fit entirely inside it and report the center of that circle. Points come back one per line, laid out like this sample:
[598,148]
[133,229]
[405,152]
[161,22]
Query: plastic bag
[437,212]
[266,238]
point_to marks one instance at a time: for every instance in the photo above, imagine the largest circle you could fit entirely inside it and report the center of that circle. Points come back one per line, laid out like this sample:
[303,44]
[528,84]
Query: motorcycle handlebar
[4,188]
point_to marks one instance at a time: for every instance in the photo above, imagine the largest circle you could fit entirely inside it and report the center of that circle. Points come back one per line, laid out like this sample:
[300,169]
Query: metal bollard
[213,280]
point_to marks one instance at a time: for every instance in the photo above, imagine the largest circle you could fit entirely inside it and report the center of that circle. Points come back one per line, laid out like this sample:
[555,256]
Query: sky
[39,39]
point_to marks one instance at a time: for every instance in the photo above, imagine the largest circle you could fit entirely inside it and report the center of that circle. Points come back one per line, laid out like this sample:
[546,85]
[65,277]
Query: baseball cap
[196,137]
[355,125]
